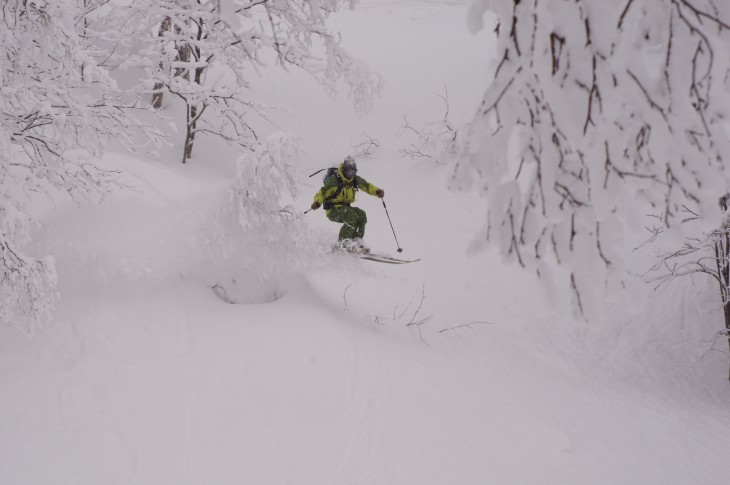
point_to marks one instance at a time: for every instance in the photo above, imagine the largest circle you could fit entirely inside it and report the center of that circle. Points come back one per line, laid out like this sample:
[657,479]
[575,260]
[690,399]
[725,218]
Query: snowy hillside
[457,369]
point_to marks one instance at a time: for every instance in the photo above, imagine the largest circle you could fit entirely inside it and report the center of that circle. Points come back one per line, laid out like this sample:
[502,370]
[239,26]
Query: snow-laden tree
[297,31]
[706,252]
[55,108]
[599,113]
[256,236]
[266,185]
[201,50]
[182,40]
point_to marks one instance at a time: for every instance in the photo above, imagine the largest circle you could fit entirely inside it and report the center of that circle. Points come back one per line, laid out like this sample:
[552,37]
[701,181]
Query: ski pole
[400,249]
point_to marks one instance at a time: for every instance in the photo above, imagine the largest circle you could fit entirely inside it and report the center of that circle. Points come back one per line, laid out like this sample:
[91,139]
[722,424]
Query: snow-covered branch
[598,112]
[57,107]
[199,50]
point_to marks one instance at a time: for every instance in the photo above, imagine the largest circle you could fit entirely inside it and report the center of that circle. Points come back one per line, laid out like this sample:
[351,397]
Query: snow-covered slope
[360,372]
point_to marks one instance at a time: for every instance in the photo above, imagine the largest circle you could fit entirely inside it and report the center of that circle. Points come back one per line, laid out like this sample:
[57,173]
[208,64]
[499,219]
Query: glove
[380,193]
[315,205]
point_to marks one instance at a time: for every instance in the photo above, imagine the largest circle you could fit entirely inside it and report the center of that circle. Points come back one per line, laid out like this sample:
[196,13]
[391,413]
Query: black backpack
[331,172]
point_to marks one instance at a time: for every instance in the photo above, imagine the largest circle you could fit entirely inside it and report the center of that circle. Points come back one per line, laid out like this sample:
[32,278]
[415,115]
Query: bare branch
[469,325]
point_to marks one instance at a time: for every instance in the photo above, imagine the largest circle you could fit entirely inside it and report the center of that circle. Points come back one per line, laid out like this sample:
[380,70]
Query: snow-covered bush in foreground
[55,108]
[599,113]
[256,235]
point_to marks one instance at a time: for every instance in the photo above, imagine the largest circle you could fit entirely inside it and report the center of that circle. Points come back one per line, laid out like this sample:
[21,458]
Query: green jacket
[329,193]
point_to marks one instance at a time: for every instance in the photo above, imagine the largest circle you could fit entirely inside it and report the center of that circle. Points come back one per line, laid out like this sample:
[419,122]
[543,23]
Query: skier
[337,195]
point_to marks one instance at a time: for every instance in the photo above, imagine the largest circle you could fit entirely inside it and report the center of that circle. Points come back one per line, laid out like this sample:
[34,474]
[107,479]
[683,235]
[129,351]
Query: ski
[386,259]
[364,253]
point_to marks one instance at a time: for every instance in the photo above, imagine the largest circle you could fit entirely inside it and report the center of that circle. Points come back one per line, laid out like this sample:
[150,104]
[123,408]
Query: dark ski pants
[353,221]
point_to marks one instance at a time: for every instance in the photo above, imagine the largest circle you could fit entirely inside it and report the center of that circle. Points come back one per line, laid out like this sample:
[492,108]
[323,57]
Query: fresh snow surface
[146,376]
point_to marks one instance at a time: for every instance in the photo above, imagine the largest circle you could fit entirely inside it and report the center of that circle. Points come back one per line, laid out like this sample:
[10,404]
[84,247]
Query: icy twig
[413,318]
[344,295]
[467,325]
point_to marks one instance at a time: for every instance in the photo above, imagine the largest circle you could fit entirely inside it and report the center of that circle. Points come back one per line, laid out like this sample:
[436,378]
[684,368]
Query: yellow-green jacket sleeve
[366,186]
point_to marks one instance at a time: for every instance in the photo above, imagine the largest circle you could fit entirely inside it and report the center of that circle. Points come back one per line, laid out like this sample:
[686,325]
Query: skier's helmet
[349,167]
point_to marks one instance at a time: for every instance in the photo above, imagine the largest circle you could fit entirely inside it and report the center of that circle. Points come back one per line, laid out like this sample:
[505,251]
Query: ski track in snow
[146,377]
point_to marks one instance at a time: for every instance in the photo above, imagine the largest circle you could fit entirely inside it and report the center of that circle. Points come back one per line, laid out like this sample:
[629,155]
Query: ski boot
[361,247]
[352,246]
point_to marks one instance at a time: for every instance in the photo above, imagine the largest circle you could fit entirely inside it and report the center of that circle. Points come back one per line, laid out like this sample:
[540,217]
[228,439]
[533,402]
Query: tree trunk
[83,36]
[157,95]
[724,275]
[722,256]
[193,113]
[190,134]
[183,55]
[726,308]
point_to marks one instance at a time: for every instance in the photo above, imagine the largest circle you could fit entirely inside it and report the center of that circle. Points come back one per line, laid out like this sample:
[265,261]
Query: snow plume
[599,113]
[266,184]
[257,231]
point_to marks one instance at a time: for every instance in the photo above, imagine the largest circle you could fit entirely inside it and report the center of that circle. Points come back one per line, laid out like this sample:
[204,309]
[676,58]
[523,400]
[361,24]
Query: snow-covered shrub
[256,236]
[599,113]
